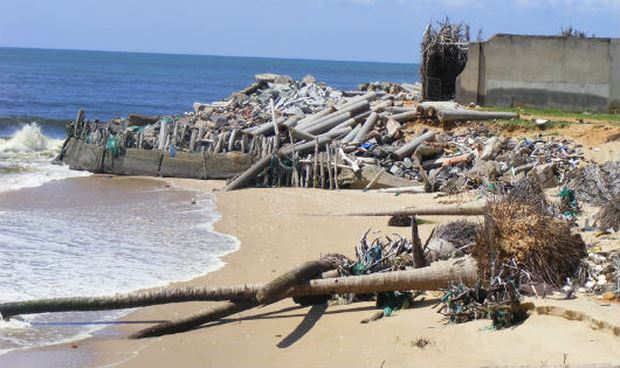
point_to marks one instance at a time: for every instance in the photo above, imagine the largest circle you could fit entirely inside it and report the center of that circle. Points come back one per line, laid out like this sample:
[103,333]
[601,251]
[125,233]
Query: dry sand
[280,228]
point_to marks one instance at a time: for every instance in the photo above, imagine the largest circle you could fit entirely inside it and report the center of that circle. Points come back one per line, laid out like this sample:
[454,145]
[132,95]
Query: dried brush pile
[453,239]
[609,215]
[596,184]
[461,233]
[520,228]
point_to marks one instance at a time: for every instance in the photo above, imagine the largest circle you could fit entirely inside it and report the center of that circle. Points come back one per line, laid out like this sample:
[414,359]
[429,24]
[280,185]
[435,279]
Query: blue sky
[369,30]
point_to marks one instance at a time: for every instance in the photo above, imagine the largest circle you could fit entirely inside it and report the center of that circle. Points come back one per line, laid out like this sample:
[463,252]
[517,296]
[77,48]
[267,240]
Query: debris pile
[599,185]
[600,272]
[500,302]
[307,134]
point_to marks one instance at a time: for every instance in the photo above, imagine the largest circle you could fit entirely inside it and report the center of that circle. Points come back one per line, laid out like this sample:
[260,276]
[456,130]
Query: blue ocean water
[37,84]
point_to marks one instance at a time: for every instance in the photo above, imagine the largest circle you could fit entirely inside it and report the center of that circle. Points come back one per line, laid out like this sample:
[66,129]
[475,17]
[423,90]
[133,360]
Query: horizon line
[213,55]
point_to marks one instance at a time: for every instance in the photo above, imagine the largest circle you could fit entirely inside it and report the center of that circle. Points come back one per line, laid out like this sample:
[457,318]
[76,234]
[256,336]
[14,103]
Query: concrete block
[226,165]
[134,162]
[183,165]
[83,156]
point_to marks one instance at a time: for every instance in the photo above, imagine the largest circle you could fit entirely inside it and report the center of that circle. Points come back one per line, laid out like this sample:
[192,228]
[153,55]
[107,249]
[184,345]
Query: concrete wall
[89,157]
[539,71]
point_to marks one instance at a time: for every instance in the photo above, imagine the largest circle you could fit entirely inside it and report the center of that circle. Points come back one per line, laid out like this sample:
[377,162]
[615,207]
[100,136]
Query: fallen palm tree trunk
[131,300]
[278,286]
[411,189]
[458,210]
[434,277]
[427,278]
[186,324]
[463,115]
[267,294]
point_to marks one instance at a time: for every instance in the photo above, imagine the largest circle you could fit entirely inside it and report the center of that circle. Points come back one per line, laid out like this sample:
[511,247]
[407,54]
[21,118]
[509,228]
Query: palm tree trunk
[434,277]
[186,324]
[272,291]
[131,300]
[267,294]
[458,210]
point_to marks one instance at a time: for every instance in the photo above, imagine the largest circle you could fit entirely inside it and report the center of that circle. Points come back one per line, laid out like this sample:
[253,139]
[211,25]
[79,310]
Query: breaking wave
[26,159]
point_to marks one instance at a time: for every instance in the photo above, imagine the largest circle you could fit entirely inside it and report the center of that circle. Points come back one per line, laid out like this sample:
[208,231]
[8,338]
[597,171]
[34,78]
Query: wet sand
[280,228]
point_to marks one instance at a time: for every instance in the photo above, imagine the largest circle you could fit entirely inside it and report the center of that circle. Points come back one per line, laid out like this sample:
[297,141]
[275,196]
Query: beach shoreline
[280,228]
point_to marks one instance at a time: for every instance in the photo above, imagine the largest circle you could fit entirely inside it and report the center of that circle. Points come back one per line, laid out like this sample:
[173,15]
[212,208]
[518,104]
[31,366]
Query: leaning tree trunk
[436,276]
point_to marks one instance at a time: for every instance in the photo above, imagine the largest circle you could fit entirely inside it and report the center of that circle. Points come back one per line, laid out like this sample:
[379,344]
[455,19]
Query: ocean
[101,235]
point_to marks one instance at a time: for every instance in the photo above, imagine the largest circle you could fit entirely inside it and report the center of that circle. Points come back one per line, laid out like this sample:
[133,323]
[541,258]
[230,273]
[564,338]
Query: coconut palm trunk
[185,324]
[267,294]
[458,210]
[436,276]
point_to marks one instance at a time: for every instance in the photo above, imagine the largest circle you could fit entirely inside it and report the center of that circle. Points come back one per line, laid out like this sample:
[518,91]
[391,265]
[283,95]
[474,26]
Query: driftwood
[433,277]
[463,115]
[337,132]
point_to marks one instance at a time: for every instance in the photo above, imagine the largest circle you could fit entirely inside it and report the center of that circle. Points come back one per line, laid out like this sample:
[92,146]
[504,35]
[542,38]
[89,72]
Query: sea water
[98,236]
[91,236]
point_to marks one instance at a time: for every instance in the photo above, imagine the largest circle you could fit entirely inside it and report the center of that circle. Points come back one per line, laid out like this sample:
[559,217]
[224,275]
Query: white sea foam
[29,139]
[25,160]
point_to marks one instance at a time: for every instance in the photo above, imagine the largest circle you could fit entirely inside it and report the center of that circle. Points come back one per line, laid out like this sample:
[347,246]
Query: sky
[362,30]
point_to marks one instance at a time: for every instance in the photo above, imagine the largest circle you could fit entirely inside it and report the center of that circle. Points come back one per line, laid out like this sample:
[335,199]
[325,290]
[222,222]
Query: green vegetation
[421,221]
[556,113]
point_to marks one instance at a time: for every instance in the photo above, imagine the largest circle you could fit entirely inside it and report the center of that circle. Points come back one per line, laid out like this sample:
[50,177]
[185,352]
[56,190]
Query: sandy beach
[284,227]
